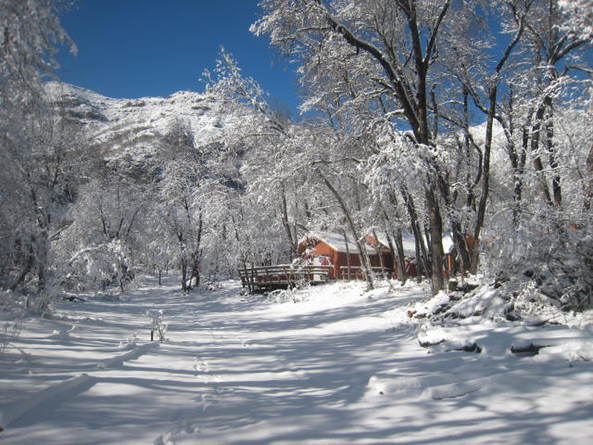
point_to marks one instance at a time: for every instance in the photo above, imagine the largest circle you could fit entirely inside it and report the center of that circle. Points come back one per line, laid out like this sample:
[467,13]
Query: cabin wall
[387,261]
[382,259]
[340,260]
[324,249]
[355,261]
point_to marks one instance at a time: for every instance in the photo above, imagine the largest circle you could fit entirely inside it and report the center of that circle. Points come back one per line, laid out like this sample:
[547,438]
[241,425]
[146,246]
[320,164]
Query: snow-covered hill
[133,128]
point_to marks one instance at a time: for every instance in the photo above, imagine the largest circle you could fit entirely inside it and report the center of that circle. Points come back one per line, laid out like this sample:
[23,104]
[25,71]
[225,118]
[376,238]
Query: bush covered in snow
[554,258]
[98,267]
[506,302]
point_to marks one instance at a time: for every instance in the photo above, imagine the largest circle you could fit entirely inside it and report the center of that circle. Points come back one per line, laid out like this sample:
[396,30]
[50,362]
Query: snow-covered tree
[40,177]
[31,35]
[391,50]
[36,146]
[579,16]
[409,78]
[101,246]
[185,176]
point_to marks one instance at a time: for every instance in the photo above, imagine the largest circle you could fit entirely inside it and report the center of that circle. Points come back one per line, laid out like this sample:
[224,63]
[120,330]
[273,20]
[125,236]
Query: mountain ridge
[125,125]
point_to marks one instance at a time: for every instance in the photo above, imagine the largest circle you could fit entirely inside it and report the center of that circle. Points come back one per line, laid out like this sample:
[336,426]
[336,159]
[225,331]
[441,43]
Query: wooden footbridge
[287,275]
[282,276]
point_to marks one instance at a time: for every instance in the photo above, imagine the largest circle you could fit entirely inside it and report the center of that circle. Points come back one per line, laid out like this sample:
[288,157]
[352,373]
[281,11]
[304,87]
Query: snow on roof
[409,242]
[337,241]
[448,244]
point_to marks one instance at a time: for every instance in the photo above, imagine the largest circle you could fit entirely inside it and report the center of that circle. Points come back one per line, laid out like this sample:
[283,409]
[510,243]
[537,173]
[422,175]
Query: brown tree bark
[361,246]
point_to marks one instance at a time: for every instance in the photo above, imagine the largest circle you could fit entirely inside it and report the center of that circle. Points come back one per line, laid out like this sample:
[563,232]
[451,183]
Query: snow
[133,126]
[409,242]
[331,364]
[336,241]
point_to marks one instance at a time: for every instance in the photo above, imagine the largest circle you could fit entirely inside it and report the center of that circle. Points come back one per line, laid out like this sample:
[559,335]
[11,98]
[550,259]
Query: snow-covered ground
[329,365]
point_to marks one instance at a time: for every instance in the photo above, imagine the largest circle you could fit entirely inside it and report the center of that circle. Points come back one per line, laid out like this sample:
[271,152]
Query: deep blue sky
[135,48]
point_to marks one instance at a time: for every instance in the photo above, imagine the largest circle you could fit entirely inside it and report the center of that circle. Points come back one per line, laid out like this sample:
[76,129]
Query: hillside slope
[132,130]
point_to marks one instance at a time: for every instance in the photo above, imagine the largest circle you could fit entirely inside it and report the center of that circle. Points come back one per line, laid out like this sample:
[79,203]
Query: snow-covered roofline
[337,242]
[409,242]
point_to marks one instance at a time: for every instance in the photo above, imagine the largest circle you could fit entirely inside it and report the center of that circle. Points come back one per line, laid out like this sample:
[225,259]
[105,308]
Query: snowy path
[336,368]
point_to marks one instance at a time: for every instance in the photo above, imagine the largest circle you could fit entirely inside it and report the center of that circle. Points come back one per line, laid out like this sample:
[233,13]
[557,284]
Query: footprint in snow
[164,439]
[207,401]
[200,365]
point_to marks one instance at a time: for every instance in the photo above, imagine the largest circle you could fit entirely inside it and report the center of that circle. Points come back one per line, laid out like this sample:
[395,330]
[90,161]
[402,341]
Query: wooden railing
[288,275]
[283,275]
[358,273]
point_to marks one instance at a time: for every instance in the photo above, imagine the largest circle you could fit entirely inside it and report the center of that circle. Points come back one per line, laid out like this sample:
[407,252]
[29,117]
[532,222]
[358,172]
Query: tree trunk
[485,179]
[26,269]
[436,242]
[422,261]
[492,98]
[286,223]
[183,267]
[401,256]
[554,167]
[589,180]
[537,160]
[361,247]
[348,265]
[397,253]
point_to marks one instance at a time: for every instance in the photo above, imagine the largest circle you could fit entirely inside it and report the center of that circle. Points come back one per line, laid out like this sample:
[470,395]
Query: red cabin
[342,253]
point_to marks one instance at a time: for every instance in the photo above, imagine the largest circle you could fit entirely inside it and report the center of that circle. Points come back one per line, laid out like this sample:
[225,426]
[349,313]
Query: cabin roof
[337,242]
[409,242]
